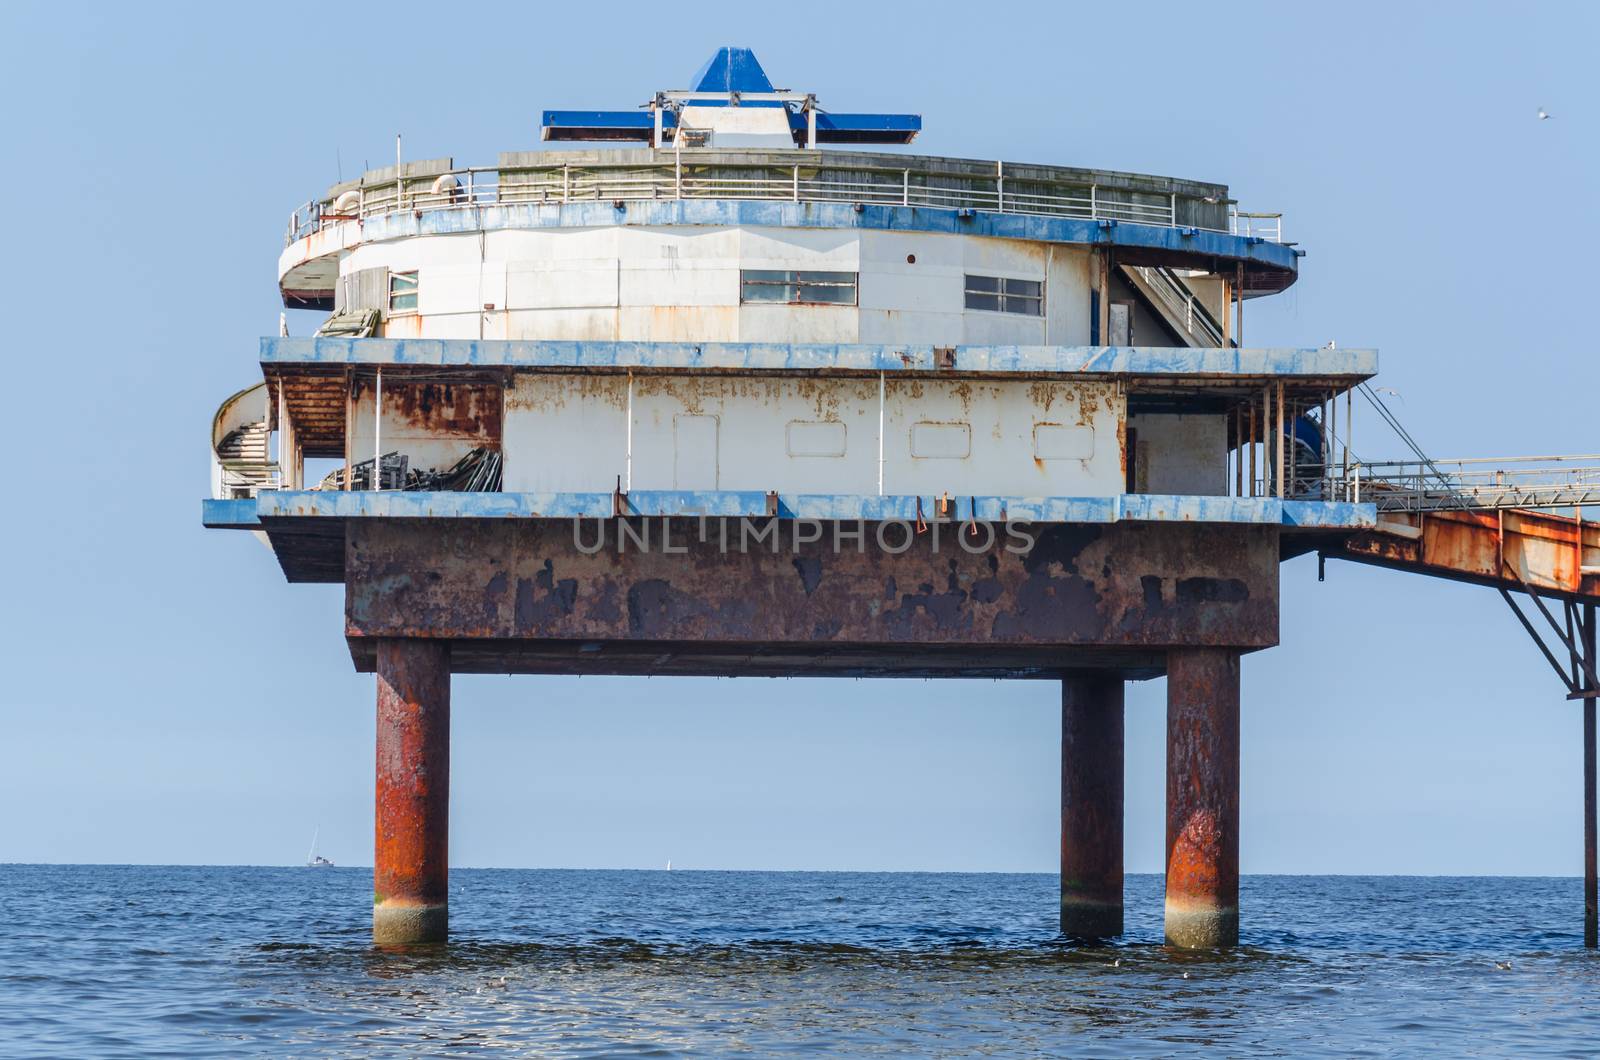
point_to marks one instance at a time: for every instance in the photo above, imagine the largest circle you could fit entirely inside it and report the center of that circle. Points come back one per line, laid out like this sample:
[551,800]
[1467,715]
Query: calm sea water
[98,960]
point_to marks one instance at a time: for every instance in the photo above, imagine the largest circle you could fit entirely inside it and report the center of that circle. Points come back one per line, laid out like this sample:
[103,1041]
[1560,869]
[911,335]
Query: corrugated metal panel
[363,289]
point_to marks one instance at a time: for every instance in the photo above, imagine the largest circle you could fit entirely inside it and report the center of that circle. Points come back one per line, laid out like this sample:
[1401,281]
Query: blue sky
[167,698]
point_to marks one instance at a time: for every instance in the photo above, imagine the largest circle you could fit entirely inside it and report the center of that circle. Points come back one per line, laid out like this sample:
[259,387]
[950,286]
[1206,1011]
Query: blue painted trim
[1352,364]
[606,119]
[1197,244]
[230,514]
[753,504]
[828,121]
[1329,515]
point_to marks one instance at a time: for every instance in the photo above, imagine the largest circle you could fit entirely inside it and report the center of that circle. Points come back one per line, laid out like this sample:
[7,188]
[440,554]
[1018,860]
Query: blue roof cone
[732,70]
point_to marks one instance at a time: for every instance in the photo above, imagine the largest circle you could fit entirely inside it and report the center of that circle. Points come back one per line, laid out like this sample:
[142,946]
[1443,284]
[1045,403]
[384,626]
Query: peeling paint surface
[410,859]
[526,591]
[1348,365]
[1556,555]
[1202,798]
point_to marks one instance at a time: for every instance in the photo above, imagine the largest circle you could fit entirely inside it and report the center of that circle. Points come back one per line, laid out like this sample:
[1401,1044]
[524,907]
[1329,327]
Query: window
[999,294]
[797,288]
[402,292]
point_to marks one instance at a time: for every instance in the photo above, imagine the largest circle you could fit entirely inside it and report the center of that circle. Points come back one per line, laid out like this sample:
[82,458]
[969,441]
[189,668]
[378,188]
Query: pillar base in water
[410,866]
[1091,806]
[404,925]
[1202,798]
[1088,918]
[1193,926]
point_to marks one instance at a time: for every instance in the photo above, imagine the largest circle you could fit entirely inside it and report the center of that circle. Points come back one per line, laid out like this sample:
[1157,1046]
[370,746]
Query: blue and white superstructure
[737,306]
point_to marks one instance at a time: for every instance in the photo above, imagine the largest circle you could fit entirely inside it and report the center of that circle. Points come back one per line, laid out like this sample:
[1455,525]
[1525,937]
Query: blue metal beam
[1351,364]
[1292,515]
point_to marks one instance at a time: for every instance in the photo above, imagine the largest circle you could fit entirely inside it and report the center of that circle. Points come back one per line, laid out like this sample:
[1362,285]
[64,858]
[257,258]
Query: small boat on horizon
[313,859]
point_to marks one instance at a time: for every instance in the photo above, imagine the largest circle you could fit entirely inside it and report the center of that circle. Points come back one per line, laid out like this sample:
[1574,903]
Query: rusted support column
[1202,798]
[1091,806]
[1591,926]
[410,886]
[1238,308]
[1104,323]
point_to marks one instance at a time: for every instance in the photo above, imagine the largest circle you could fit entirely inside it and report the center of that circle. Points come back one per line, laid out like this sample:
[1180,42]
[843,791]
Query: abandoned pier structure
[737,394]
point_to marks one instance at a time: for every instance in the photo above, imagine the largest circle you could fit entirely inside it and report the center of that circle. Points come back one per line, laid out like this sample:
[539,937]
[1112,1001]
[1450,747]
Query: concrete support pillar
[410,863]
[1091,806]
[1202,798]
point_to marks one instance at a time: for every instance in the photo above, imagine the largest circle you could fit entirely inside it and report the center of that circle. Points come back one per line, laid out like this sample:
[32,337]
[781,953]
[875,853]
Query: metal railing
[1181,302]
[688,177]
[246,478]
[1486,483]
[1264,226]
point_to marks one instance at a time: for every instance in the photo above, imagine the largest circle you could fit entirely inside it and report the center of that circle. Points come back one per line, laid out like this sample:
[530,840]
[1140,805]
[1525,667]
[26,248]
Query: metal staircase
[241,458]
[1184,312]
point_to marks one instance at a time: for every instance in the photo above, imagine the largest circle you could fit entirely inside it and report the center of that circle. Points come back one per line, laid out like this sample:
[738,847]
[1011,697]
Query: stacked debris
[476,472]
[393,476]
[351,324]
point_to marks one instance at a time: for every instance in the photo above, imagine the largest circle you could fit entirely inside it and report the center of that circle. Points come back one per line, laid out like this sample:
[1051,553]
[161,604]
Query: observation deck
[1149,220]
[731,400]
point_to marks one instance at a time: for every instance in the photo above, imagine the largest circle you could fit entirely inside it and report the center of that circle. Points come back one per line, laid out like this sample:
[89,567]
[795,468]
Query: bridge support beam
[1091,806]
[410,862]
[1591,880]
[1202,907]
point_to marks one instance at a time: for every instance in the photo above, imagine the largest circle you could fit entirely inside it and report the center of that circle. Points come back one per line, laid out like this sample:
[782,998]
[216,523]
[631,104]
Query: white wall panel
[812,248]
[782,323]
[814,435]
[1002,417]
[675,284]
[561,284]
[576,325]
[709,323]
[565,433]
[1181,454]
[1066,296]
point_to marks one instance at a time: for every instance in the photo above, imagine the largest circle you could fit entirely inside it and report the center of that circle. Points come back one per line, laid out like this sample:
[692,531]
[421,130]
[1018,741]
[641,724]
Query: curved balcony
[1169,221]
[241,463]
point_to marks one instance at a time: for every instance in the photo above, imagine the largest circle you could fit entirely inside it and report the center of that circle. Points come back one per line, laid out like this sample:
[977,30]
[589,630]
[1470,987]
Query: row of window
[995,294]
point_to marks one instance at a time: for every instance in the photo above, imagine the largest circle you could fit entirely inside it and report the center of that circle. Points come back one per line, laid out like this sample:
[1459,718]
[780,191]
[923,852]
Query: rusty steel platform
[522,597]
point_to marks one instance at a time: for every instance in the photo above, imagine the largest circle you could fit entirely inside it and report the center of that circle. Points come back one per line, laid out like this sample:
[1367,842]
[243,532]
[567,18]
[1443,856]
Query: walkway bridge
[1495,522]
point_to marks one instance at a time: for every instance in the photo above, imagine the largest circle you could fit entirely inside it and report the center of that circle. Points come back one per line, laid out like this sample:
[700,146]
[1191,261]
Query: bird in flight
[1544,115]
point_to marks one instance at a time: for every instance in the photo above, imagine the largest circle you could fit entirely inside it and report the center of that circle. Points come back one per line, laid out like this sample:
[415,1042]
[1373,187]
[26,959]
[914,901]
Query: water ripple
[223,961]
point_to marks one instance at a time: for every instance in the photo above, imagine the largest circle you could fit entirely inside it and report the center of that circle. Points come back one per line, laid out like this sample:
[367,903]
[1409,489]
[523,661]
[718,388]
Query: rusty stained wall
[1014,437]
[434,424]
[1146,585]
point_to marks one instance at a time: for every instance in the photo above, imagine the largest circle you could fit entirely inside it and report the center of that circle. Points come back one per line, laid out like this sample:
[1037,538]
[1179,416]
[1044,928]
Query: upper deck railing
[836,178]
